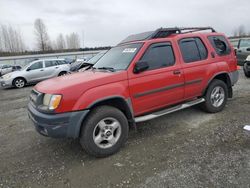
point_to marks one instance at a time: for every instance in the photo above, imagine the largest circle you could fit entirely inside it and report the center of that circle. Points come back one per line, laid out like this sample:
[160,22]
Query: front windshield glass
[26,66]
[244,43]
[118,58]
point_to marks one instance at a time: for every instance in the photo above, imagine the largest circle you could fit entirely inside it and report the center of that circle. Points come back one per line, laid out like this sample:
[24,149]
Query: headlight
[6,76]
[51,101]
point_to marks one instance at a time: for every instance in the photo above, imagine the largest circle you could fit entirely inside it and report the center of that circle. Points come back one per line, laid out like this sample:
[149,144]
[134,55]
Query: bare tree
[11,39]
[240,31]
[73,41]
[60,42]
[1,41]
[43,42]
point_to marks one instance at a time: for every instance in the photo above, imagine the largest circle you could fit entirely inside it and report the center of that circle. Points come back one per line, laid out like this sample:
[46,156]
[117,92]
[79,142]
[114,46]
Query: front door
[35,72]
[161,84]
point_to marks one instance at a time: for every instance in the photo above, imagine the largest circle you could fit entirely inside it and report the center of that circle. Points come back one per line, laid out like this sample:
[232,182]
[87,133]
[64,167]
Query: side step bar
[168,110]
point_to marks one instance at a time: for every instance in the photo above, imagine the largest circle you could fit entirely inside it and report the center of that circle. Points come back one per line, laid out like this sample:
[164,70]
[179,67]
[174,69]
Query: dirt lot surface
[189,148]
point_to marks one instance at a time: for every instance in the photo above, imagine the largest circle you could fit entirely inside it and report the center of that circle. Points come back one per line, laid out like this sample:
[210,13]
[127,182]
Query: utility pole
[83,39]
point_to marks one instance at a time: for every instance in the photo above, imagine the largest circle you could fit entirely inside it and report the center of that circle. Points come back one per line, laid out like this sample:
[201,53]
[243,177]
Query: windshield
[244,43]
[118,58]
[94,59]
[26,66]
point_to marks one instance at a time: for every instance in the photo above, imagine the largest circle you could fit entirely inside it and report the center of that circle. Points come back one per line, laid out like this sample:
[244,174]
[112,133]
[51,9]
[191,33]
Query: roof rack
[164,32]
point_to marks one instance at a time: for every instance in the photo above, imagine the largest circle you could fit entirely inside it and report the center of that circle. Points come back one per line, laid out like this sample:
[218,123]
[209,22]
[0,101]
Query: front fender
[91,96]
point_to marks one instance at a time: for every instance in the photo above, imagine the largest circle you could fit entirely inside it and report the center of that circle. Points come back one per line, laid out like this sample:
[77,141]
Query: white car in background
[34,72]
[4,69]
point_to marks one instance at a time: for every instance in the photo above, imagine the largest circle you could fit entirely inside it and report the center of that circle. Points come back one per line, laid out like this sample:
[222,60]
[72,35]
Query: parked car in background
[4,69]
[83,65]
[246,67]
[34,72]
[16,68]
[242,47]
[146,76]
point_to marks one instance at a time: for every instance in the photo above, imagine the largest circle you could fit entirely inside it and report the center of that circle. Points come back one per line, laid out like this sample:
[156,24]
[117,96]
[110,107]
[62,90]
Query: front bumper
[64,125]
[6,82]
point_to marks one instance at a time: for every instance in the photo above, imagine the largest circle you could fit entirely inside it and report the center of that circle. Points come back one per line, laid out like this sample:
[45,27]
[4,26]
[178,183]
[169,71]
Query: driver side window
[37,65]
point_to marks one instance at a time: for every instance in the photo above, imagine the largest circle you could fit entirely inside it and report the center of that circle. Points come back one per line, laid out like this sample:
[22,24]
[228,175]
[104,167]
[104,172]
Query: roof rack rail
[164,32]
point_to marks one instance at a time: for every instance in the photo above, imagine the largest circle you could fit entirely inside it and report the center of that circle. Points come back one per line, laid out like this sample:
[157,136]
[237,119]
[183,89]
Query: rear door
[161,84]
[50,70]
[197,65]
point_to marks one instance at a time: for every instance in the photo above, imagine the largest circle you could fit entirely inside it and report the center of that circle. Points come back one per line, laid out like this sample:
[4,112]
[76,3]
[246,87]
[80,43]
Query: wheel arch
[17,78]
[223,76]
[118,102]
[62,71]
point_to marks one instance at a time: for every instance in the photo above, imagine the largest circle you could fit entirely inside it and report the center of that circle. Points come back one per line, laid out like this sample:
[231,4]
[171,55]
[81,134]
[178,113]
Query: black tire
[208,104]
[62,73]
[19,82]
[91,124]
[247,74]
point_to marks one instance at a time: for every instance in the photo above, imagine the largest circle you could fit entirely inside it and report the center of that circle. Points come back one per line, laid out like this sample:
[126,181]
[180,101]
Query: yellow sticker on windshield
[129,50]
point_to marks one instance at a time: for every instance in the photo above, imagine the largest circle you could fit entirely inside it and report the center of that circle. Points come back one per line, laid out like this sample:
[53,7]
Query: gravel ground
[189,148]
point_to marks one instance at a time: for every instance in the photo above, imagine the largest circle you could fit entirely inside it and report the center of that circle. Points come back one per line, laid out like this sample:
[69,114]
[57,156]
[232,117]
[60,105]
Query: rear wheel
[62,73]
[19,82]
[104,132]
[215,97]
[247,74]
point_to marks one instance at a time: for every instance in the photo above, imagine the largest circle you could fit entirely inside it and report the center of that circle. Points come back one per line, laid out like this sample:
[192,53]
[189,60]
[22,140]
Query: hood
[12,74]
[79,82]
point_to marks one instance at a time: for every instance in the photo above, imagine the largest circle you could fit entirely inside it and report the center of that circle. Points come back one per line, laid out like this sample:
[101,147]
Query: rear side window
[61,62]
[50,63]
[159,55]
[220,45]
[192,50]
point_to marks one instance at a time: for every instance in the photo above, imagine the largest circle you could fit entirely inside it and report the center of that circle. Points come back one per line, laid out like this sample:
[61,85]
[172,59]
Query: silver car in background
[4,69]
[34,72]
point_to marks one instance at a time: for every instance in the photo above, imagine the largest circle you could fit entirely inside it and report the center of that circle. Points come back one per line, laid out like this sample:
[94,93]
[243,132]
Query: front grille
[36,97]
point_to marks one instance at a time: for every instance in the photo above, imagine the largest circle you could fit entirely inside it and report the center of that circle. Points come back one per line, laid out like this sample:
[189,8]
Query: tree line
[241,31]
[12,42]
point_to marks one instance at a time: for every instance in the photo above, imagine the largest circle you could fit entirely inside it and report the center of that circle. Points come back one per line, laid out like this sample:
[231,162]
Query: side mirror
[141,66]
[28,69]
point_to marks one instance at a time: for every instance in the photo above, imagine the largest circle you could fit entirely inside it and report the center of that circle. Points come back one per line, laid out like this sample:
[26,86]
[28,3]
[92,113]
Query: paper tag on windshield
[129,50]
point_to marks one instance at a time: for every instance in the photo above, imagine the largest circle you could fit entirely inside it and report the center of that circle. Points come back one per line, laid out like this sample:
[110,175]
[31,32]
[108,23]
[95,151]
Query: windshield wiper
[106,68]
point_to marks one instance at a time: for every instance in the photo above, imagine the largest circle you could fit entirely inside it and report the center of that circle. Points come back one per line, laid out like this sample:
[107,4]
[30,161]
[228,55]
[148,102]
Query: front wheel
[215,97]
[19,82]
[104,132]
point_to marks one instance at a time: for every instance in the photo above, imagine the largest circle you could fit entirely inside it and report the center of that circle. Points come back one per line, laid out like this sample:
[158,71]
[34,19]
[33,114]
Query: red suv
[146,76]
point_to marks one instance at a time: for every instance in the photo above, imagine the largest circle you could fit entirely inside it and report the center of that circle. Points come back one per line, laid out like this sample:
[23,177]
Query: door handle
[41,70]
[56,67]
[176,72]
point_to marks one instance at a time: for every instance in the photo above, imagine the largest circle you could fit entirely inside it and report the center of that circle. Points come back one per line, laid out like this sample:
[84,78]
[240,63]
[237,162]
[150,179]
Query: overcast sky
[107,22]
